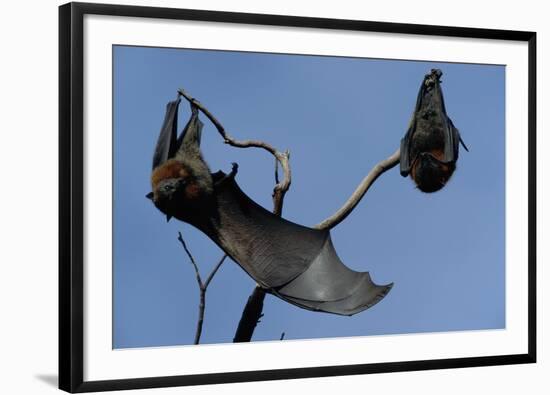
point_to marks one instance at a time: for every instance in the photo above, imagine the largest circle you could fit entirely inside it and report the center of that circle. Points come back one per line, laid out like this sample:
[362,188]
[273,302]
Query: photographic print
[239,188]
[422,251]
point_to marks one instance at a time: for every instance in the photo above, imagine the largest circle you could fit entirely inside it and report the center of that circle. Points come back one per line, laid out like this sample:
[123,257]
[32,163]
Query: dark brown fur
[436,179]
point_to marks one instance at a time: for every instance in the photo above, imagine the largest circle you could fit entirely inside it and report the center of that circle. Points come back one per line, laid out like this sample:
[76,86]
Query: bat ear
[166,143]
[149,195]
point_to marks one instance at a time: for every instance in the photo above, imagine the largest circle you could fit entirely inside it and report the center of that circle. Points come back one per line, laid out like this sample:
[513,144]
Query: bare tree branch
[203,286]
[380,168]
[197,274]
[214,271]
[276,171]
[280,188]
[253,308]
[251,315]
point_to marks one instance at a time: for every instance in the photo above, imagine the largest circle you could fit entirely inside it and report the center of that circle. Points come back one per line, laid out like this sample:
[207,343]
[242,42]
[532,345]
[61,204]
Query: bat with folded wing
[293,262]
[429,149]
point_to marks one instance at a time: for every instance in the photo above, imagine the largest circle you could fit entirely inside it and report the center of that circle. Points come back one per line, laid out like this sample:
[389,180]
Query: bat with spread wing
[293,262]
[429,150]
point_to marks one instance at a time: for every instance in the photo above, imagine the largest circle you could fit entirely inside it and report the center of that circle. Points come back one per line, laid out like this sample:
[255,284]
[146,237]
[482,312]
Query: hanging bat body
[296,263]
[429,150]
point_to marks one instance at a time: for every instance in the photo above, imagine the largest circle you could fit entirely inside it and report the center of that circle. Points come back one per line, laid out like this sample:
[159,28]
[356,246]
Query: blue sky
[338,117]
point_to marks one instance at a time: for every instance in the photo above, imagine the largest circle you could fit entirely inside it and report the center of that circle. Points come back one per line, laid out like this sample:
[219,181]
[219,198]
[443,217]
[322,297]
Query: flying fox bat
[293,262]
[429,150]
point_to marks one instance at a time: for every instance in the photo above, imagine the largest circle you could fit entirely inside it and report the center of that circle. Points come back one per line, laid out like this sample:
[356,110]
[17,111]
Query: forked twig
[203,286]
[282,158]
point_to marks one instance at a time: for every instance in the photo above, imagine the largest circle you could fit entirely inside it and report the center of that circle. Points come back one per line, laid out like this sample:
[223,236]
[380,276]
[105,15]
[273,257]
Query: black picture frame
[71,195]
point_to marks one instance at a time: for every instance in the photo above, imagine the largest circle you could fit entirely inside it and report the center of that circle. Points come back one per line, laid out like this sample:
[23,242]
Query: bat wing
[329,285]
[405,147]
[404,151]
[166,143]
[451,135]
[296,263]
[452,140]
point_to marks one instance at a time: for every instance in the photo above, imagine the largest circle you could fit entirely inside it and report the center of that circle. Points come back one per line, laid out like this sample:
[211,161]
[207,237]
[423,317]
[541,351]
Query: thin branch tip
[377,170]
[203,286]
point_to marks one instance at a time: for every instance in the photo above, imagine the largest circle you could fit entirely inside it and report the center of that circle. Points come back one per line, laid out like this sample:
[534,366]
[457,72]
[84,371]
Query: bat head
[168,182]
[180,175]
[429,173]
[167,193]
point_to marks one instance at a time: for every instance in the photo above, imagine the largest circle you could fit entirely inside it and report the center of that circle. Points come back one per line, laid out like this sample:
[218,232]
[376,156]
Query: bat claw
[230,176]
[234,169]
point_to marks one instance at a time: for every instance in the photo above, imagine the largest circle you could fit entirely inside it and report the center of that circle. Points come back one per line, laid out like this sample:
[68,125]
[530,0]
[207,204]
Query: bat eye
[167,188]
[172,186]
